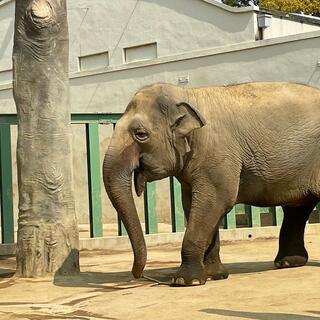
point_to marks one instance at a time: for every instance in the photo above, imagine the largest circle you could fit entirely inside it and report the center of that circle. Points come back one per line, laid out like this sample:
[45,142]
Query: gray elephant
[255,143]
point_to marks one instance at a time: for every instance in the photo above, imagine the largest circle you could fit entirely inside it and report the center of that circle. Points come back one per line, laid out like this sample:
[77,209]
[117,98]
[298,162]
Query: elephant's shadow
[111,281]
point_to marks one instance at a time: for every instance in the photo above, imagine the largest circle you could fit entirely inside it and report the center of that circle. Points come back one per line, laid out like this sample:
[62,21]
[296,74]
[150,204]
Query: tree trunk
[48,238]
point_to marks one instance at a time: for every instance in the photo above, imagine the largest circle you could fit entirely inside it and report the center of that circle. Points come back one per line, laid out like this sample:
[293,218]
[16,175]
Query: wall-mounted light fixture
[264,20]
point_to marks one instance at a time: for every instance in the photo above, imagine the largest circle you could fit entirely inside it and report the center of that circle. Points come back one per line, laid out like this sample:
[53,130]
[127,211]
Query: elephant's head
[151,141]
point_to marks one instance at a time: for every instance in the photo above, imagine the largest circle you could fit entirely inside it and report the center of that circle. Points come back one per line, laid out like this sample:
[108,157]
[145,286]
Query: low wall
[123,243]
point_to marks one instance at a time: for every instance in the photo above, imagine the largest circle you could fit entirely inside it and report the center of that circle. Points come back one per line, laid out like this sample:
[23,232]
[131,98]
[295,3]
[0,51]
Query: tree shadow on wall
[260,315]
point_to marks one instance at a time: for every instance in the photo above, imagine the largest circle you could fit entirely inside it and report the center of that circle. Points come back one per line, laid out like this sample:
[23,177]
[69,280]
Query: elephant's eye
[141,135]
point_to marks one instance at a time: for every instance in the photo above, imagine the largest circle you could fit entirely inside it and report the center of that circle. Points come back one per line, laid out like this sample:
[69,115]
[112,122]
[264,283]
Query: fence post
[177,213]
[121,228]
[230,219]
[254,217]
[94,176]
[150,212]
[7,224]
[277,216]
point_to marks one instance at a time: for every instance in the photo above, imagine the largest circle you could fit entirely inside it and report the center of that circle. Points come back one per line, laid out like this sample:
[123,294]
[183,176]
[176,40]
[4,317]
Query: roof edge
[212,2]
[231,9]
[5,2]
[292,16]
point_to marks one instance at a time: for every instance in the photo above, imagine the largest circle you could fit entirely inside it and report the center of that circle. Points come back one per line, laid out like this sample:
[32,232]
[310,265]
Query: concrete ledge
[6,86]
[7,249]
[191,55]
[232,9]
[123,243]
[5,2]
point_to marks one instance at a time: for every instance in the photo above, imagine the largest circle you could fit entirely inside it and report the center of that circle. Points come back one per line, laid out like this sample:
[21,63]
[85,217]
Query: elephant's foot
[190,275]
[290,261]
[290,258]
[216,271]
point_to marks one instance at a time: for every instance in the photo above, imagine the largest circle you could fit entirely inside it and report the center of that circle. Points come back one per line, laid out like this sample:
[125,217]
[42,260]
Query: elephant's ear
[184,118]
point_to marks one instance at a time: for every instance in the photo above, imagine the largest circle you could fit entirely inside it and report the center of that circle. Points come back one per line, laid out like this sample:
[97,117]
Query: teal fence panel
[230,219]
[92,123]
[150,212]
[94,176]
[177,213]
[7,223]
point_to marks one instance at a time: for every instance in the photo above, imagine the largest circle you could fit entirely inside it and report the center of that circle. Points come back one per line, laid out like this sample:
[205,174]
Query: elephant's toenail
[196,282]
[180,281]
[286,264]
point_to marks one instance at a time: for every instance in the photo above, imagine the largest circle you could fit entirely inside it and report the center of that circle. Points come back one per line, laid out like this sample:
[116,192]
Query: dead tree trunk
[48,237]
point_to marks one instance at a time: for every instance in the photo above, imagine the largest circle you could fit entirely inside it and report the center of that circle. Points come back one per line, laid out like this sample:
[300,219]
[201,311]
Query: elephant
[252,143]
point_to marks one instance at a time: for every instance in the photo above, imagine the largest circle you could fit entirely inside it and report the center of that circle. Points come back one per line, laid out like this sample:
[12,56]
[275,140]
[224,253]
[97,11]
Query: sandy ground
[105,289]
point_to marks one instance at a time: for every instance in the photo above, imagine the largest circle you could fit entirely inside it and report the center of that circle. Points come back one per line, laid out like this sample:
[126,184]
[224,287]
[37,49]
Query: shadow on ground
[110,281]
[261,315]
[124,280]
[7,267]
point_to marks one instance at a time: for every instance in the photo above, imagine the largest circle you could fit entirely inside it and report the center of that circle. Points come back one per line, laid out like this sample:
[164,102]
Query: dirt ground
[105,289]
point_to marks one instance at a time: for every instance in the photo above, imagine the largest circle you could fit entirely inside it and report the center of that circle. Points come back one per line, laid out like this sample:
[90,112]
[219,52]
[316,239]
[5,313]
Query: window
[139,53]
[94,61]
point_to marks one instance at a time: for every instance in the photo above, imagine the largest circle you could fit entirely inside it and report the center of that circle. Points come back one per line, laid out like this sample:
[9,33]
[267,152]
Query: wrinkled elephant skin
[256,143]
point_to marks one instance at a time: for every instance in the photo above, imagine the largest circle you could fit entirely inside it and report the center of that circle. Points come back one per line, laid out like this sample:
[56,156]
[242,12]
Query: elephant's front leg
[206,211]
[215,270]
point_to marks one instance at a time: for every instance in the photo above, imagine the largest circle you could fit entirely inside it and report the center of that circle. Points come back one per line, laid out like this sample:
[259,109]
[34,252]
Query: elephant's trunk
[121,159]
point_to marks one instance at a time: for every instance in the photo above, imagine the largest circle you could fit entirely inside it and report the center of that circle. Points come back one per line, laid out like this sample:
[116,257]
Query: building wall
[6,40]
[292,58]
[282,27]
[110,26]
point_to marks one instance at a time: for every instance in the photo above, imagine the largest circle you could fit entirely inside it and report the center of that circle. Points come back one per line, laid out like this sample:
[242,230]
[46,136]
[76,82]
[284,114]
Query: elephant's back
[270,96]
[264,111]
[279,136]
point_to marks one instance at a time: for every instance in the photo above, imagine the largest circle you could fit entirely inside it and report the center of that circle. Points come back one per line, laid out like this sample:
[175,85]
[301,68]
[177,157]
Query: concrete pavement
[105,288]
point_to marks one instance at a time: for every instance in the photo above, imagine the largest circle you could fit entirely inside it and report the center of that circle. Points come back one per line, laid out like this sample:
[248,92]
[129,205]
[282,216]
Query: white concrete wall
[6,35]
[108,25]
[176,26]
[283,27]
[293,58]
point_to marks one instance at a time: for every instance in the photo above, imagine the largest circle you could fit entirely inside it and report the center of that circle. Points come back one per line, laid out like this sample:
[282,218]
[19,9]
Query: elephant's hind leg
[292,252]
[214,268]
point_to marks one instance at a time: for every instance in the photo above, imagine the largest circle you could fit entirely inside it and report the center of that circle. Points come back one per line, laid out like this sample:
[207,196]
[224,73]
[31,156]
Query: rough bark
[48,239]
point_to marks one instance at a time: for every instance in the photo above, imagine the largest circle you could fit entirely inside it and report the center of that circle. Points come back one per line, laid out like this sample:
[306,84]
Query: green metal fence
[251,215]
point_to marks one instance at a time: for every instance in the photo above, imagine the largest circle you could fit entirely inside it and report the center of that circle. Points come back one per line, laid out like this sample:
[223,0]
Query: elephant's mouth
[145,173]
[139,180]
